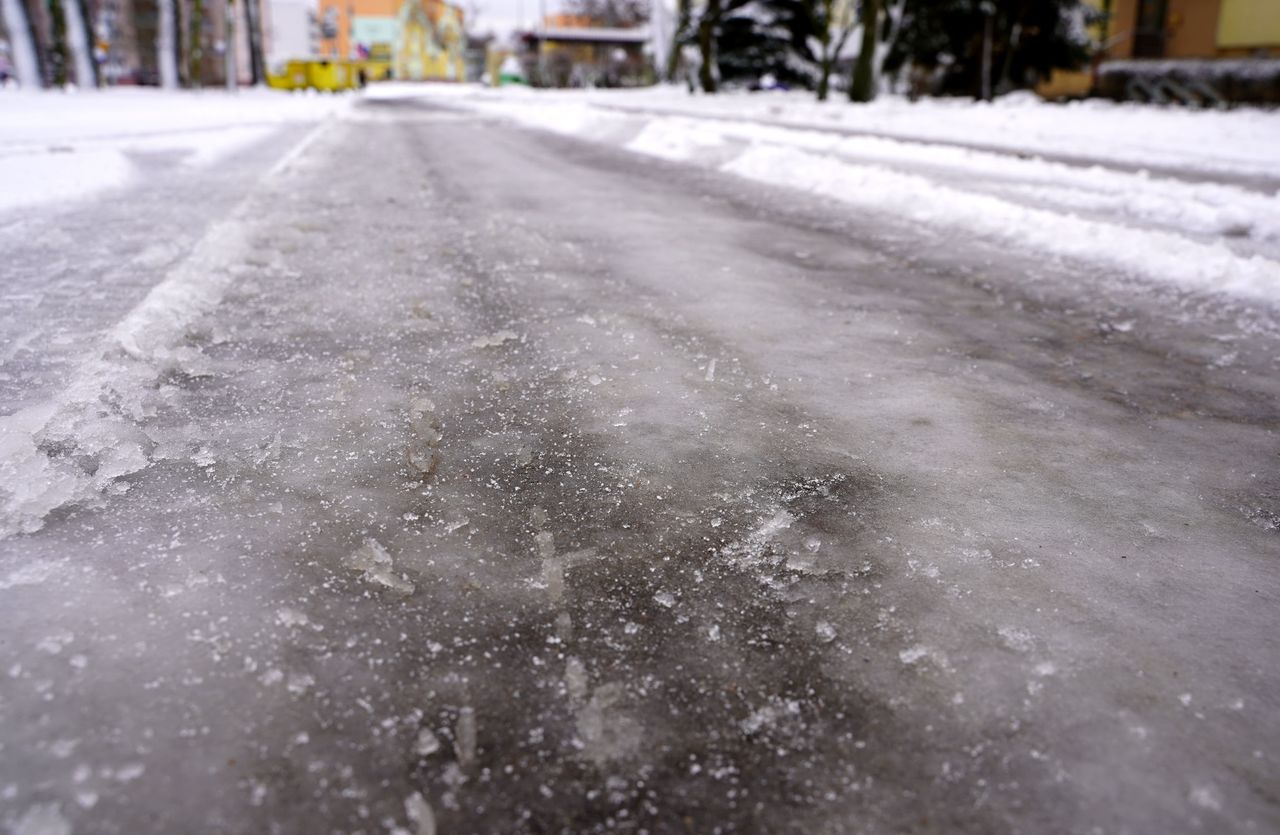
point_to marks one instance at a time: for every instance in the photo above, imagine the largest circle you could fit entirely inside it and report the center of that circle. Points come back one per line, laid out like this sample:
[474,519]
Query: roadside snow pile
[59,146]
[1243,142]
[1160,255]
[1198,236]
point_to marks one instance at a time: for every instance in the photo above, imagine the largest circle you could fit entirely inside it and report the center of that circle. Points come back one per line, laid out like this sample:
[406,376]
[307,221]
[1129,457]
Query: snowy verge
[1243,142]
[1164,231]
[1152,254]
[76,446]
[56,147]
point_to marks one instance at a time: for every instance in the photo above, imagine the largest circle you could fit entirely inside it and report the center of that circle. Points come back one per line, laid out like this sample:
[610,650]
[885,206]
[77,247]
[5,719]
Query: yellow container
[292,76]
[317,74]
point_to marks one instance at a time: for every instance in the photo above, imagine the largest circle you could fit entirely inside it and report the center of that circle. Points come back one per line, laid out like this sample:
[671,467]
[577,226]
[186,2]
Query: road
[510,483]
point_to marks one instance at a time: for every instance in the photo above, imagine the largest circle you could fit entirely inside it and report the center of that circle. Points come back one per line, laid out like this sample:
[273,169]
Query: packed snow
[56,146]
[1191,231]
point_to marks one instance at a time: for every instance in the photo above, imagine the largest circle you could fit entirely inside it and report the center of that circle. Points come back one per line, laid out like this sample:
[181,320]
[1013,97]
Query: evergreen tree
[1029,38]
[744,40]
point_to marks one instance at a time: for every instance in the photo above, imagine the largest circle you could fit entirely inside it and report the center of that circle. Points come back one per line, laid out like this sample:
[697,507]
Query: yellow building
[417,39]
[1175,29]
[1193,28]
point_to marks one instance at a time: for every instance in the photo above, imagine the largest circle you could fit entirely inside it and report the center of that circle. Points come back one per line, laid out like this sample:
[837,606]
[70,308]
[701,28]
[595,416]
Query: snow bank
[1163,230]
[59,146]
[1244,141]
[1158,255]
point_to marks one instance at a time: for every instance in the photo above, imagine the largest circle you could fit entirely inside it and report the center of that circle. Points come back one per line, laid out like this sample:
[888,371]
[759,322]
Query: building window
[1149,30]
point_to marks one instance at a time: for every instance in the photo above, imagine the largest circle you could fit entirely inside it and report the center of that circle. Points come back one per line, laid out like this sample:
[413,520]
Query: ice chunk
[420,812]
[424,436]
[494,340]
[575,679]
[825,631]
[43,819]
[665,599]
[376,563]
[32,573]
[553,577]
[464,736]
[427,743]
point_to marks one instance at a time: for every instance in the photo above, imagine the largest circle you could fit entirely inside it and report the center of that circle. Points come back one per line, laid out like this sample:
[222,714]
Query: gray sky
[503,16]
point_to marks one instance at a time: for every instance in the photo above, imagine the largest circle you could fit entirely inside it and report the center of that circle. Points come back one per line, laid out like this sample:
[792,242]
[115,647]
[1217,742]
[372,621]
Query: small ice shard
[575,680]
[553,577]
[424,436]
[291,617]
[494,340]
[595,379]
[913,654]
[665,599]
[427,743]
[711,372]
[564,626]
[376,563]
[825,631]
[424,422]
[43,819]
[1206,797]
[464,736]
[300,683]
[420,812]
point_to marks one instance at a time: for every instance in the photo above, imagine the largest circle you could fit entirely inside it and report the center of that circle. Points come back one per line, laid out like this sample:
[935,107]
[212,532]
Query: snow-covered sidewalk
[1243,142]
[58,146]
[1216,237]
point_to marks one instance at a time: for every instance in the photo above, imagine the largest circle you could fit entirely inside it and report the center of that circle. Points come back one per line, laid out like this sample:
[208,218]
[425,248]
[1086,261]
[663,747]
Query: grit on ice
[449,459]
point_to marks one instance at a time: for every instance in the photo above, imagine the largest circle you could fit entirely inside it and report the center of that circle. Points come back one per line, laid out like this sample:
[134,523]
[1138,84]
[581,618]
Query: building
[422,39]
[1194,29]
[1197,52]
[572,51]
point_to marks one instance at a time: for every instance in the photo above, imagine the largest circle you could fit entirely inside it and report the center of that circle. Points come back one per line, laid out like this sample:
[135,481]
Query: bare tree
[253,22]
[708,26]
[678,38]
[25,60]
[78,39]
[167,45]
[835,22]
[874,50]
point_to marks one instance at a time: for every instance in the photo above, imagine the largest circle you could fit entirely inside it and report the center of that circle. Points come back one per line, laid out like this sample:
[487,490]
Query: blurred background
[1187,52]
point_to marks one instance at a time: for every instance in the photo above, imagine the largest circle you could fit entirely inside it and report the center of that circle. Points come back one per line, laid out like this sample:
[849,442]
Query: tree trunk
[25,62]
[195,45]
[253,21]
[682,24]
[78,39]
[709,72]
[824,64]
[58,47]
[862,88]
[229,54]
[167,45]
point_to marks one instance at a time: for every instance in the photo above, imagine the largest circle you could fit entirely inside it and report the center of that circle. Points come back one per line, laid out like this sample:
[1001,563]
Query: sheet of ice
[1160,230]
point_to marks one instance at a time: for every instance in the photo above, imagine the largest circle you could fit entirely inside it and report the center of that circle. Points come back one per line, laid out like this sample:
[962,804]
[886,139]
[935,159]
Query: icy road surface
[445,476]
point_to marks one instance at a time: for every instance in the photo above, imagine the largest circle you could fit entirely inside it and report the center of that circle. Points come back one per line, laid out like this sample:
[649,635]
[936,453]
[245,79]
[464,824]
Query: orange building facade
[1194,28]
[420,39]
